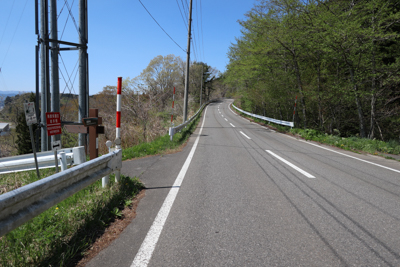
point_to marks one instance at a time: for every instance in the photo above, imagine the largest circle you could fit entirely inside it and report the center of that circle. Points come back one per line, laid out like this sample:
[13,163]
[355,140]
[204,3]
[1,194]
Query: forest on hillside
[339,58]
[146,105]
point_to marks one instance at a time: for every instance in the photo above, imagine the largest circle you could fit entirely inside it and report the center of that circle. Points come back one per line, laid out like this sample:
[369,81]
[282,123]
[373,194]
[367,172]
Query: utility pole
[185,102]
[44,70]
[82,66]
[55,84]
[201,86]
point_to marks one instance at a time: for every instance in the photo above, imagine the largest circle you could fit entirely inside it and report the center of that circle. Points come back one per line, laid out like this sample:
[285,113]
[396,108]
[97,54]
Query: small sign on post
[53,123]
[56,145]
[30,116]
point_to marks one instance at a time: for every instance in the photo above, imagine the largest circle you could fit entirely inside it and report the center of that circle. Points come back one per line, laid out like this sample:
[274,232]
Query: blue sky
[123,38]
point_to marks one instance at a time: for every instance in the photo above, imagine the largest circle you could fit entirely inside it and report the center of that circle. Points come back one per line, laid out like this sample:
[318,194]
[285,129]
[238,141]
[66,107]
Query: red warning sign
[53,123]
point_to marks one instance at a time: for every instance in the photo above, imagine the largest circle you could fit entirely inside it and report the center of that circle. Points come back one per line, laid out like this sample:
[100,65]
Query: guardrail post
[79,155]
[63,161]
[105,180]
[171,133]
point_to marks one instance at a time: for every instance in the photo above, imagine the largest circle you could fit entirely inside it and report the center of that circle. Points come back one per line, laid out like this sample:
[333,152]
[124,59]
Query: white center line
[290,164]
[232,125]
[245,135]
[225,119]
[143,256]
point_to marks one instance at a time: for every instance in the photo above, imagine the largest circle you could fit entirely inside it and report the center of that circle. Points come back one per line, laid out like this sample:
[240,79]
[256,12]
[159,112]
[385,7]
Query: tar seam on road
[145,252]
[290,164]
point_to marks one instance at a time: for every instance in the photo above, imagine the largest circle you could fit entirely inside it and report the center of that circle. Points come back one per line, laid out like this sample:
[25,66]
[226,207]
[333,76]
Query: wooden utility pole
[185,102]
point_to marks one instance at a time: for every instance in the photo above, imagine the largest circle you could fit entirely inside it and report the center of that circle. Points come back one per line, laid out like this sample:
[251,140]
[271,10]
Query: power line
[162,27]
[5,28]
[14,34]
[201,25]
[184,9]
[184,22]
[198,31]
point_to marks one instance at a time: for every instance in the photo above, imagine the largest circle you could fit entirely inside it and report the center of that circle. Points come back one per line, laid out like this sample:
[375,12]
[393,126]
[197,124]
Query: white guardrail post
[24,203]
[286,123]
[173,130]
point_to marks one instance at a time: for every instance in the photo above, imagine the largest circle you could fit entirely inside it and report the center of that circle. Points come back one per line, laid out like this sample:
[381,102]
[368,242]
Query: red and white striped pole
[118,132]
[118,125]
[172,115]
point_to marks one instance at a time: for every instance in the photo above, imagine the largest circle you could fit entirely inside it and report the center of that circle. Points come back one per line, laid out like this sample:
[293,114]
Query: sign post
[55,145]
[30,116]
[53,122]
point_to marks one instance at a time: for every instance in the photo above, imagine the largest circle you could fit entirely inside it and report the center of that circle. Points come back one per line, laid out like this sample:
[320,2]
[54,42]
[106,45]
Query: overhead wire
[4,81]
[198,32]
[12,39]
[5,28]
[201,26]
[161,27]
[184,22]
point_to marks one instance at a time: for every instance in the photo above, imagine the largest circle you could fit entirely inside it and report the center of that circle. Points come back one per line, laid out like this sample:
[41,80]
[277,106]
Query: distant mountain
[11,93]
[4,94]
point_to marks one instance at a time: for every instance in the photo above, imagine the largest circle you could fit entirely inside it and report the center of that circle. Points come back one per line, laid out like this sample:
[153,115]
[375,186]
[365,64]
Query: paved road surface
[254,197]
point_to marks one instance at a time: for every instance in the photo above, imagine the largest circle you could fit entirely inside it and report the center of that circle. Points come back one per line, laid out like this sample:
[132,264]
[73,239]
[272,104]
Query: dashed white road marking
[232,125]
[245,135]
[290,164]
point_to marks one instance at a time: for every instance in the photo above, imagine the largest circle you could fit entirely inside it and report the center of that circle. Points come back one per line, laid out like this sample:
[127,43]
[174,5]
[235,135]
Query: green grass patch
[353,143]
[60,235]
[161,143]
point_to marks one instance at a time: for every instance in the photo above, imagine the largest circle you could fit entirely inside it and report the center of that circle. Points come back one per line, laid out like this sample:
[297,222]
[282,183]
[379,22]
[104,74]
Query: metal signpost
[53,122]
[56,145]
[30,116]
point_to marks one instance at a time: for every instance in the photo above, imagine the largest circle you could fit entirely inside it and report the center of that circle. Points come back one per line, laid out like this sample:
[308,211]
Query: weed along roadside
[64,234]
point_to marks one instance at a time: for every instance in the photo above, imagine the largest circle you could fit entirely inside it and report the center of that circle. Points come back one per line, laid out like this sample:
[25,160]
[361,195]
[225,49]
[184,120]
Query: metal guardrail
[174,130]
[22,204]
[26,162]
[286,123]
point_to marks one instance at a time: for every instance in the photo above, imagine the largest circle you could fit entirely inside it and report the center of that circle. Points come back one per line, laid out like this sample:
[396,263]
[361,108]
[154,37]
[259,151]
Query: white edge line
[145,252]
[232,125]
[290,164]
[229,106]
[245,135]
[366,161]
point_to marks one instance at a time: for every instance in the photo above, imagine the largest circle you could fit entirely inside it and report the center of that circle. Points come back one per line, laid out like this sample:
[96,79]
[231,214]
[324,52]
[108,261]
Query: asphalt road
[254,197]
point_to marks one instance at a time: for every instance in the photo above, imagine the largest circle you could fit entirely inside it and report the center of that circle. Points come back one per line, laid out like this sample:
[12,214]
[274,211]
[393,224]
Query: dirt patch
[113,231]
